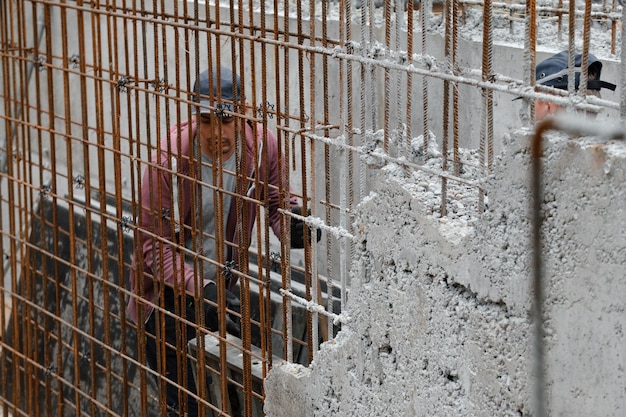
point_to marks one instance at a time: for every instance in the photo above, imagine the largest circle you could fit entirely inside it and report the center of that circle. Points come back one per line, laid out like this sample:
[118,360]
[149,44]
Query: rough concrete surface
[441,323]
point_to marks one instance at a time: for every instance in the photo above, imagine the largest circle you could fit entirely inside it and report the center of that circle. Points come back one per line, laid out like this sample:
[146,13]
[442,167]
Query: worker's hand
[297,229]
[210,311]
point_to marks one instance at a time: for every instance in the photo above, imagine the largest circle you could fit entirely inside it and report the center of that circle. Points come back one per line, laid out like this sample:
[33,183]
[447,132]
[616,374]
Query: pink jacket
[160,260]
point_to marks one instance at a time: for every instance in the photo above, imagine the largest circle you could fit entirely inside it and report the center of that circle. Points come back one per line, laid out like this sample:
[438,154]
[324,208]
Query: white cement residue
[462,200]
[508,27]
[442,330]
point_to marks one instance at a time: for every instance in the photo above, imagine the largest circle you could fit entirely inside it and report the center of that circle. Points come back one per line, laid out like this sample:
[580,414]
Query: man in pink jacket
[199,200]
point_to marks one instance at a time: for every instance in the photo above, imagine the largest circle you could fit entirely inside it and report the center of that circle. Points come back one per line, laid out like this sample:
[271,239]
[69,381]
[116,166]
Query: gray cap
[223,96]
[554,71]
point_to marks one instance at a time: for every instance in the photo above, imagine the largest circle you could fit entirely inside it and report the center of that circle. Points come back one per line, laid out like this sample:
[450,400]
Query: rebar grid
[89,94]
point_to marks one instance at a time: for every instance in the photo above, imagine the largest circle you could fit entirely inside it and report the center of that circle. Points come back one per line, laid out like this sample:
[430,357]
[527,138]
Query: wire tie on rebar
[45,191]
[402,58]
[85,357]
[352,46]
[275,261]
[268,105]
[39,63]
[79,182]
[49,371]
[165,213]
[219,111]
[74,60]
[125,223]
[228,268]
[158,85]
[376,51]
[122,84]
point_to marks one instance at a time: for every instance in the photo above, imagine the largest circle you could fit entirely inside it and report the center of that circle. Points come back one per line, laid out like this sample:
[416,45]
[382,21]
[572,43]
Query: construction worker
[191,186]
[553,72]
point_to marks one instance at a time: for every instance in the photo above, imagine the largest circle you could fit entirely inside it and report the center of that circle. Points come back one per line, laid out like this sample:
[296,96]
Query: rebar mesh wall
[90,90]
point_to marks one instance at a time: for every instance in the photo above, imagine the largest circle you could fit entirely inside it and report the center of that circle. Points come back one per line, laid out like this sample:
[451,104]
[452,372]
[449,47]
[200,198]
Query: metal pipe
[573,126]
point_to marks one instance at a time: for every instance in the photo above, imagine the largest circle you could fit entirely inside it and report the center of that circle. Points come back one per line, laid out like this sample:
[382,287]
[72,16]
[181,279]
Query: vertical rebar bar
[537,267]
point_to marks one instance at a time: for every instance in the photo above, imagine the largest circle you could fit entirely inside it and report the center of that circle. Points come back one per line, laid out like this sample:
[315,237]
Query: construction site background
[402,136]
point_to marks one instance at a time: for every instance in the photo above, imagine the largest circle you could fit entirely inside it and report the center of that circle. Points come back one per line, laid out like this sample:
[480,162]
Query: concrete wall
[441,313]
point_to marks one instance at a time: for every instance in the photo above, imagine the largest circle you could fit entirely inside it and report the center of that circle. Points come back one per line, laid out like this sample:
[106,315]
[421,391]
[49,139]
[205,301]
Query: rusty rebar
[572,126]
[108,100]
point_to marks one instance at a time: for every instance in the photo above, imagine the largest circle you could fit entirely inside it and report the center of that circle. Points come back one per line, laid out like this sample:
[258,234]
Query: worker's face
[217,134]
[544,108]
